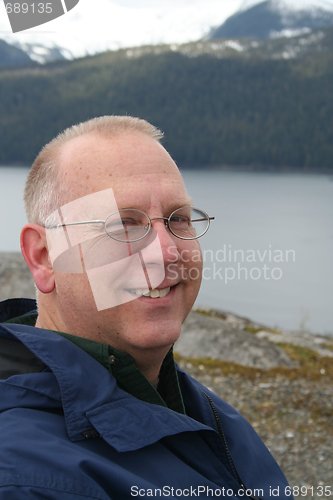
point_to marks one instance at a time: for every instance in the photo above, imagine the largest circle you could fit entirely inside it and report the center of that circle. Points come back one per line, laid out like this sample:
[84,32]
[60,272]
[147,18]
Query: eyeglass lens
[130,225]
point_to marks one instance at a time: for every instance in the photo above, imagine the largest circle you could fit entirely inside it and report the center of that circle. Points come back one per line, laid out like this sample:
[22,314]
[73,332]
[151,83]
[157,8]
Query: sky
[96,25]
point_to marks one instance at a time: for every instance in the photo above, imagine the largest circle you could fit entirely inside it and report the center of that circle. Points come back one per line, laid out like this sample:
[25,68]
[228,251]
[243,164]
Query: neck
[47,320]
[150,365]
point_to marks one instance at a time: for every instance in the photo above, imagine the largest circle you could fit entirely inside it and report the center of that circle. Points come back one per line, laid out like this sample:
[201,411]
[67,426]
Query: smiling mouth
[155,293]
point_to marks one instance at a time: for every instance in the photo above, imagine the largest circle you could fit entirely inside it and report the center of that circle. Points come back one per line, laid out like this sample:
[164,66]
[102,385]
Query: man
[92,404]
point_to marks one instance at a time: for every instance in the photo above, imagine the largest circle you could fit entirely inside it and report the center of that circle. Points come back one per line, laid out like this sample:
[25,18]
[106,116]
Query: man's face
[142,175]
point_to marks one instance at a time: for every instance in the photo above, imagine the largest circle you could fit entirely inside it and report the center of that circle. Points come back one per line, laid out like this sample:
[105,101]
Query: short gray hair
[42,194]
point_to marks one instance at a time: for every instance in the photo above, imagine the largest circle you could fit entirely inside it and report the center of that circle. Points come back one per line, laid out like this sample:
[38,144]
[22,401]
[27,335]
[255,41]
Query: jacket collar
[11,308]
[121,364]
[90,396]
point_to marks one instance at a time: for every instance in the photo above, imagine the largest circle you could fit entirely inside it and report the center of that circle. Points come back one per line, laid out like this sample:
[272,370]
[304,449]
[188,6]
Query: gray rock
[318,343]
[205,337]
[15,277]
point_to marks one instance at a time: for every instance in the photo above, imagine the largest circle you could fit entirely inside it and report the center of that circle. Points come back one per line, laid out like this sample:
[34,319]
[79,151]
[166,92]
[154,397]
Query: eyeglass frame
[150,219]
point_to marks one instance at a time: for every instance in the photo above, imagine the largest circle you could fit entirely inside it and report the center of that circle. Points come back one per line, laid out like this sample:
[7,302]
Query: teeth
[164,292]
[153,294]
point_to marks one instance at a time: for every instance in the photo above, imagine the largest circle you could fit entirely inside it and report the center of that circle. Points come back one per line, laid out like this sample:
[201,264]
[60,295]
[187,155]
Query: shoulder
[197,393]
[252,459]
[204,405]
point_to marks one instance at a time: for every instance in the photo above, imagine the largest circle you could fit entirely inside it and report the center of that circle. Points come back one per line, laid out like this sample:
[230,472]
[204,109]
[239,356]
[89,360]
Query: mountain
[13,57]
[16,53]
[44,53]
[265,104]
[273,18]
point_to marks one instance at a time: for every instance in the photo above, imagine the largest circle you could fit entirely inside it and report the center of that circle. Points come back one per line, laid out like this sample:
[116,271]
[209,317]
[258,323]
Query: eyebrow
[187,202]
[183,203]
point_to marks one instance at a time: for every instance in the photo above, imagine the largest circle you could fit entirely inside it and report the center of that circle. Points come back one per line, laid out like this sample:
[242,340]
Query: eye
[116,226]
[188,223]
[128,224]
[180,220]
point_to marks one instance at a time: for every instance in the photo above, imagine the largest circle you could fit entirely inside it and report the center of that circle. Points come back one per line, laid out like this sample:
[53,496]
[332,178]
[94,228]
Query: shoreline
[270,169]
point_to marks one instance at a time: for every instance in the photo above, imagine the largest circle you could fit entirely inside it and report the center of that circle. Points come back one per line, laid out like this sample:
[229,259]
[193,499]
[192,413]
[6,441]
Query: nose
[168,241]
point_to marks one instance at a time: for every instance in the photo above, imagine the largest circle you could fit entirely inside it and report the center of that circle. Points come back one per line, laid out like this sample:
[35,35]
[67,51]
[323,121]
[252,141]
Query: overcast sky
[96,25]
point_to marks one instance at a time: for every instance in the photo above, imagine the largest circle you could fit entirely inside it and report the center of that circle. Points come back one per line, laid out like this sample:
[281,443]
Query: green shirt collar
[125,371]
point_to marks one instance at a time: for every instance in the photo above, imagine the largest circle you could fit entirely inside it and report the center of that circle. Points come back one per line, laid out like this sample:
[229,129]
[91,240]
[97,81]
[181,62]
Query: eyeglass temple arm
[76,223]
[193,220]
[199,220]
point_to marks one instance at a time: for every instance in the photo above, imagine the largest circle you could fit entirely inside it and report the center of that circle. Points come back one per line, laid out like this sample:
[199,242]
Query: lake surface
[268,254]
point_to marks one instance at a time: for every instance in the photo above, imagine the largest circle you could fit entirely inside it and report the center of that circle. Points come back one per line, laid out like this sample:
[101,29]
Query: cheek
[73,290]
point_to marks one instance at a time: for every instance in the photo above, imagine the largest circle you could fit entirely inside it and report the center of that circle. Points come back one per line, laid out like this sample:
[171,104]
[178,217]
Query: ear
[35,253]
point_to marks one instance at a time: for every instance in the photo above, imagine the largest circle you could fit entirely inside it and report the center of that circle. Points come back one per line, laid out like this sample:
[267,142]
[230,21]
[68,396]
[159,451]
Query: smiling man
[92,404]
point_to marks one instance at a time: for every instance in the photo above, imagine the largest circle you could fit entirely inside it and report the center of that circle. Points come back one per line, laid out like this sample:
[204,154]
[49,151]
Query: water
[268,253]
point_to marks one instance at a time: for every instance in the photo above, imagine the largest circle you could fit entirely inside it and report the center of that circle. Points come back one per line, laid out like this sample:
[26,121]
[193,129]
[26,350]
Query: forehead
[133,164]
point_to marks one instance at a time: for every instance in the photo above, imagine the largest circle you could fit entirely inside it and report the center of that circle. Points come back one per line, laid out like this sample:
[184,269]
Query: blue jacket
[69,432]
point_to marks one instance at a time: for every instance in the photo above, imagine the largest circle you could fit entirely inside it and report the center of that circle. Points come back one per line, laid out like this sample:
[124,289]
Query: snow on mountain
[42,52]
[303,5]
[296,14]
[272,18]
[291,5]
[128,23]
[45,53]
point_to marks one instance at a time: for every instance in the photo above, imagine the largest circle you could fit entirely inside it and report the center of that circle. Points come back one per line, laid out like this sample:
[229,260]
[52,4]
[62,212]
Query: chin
[162,334]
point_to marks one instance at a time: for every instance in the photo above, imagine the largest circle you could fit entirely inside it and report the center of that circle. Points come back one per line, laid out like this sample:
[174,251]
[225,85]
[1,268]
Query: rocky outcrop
[215,338]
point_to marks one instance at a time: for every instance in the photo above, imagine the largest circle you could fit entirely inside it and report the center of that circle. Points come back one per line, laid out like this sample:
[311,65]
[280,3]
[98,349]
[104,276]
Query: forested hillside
[216,108]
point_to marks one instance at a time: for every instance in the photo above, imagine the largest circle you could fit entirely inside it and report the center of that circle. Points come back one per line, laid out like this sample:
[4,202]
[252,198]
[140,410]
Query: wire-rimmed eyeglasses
[128,225]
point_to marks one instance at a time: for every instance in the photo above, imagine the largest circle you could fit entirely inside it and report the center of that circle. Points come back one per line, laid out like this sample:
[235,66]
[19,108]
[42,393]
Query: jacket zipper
[226,447]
